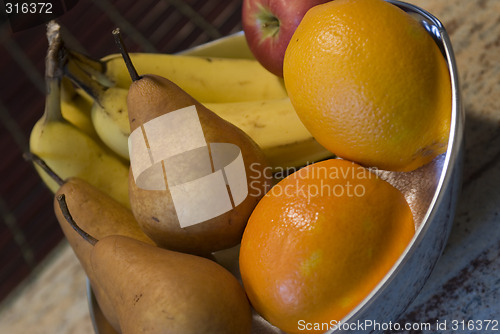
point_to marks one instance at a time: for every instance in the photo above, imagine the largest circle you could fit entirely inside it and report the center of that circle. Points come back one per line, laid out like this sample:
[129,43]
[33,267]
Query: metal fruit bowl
[431,191]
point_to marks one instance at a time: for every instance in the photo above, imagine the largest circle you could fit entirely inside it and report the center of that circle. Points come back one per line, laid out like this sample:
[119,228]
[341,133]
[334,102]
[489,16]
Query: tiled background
[28,229]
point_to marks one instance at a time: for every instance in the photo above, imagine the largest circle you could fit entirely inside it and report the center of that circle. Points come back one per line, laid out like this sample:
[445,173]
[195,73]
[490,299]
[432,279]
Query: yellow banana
[272,124]
[108,112]
[110,119]
[69,151]
[207,79]
[276,128]
[75,108]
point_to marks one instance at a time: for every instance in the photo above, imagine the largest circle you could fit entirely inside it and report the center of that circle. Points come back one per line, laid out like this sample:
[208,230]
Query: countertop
[465,284]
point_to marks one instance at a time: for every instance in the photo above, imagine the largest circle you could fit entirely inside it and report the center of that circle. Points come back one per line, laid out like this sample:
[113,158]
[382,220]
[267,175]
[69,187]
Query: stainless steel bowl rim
[438,32]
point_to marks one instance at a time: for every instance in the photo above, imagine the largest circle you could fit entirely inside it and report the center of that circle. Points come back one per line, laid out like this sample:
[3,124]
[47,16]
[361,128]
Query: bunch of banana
[239,90]
[208,79]
[70,150]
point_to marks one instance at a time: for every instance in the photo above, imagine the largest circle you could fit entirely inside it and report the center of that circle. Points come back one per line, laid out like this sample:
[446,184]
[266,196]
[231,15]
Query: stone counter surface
[465,284]
[52,301]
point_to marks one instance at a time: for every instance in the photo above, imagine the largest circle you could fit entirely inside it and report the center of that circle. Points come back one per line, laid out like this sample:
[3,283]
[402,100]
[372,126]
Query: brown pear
[154,290]
[151,96]
[100,215]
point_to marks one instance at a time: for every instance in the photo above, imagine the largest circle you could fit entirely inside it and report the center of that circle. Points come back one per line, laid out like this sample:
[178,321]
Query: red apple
[269,25]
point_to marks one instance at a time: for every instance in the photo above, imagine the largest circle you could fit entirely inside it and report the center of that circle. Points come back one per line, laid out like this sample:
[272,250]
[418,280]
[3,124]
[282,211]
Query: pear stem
[125,55]
[61,199]
[39,161]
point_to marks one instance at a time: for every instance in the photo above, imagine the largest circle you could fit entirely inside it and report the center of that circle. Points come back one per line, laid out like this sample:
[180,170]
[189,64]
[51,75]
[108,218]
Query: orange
[370,84]
[319,241]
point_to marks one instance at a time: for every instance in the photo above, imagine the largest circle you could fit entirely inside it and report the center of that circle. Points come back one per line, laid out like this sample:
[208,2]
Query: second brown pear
[151,96]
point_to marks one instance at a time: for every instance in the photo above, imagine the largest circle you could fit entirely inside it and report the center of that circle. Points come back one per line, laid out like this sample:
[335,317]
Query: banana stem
[55,53]
[53,74]
[39,161]
[95,68]
[96,65]
[61,199]
[126,57]
[83,79]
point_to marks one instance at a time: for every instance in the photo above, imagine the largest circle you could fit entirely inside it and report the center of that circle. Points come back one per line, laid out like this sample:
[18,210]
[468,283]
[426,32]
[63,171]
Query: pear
[100,215]
[155,290]
[152,97]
